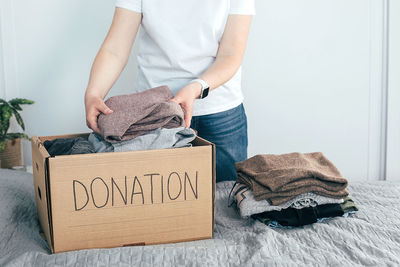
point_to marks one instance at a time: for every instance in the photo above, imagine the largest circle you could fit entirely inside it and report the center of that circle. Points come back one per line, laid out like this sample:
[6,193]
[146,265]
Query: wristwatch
[205,88]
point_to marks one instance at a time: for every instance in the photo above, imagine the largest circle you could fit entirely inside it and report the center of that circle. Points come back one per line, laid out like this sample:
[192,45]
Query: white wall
[55,51]
[2,78]
[309,79]
[393,144]
[8,78]
[312,74]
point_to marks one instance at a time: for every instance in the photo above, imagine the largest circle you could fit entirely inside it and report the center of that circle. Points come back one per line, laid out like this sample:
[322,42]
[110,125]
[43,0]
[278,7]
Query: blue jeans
[228,131]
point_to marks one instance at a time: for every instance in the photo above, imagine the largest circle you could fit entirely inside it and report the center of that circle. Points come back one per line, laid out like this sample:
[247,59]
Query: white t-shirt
[179,40]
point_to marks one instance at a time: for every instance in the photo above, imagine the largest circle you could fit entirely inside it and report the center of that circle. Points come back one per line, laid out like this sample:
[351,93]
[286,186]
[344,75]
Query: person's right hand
[94,105]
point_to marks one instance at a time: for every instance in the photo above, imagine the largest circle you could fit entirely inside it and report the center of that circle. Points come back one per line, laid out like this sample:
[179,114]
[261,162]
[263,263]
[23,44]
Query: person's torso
[179,40]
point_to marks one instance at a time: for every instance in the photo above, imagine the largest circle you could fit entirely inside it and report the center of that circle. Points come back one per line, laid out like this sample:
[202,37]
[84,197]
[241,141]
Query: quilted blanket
[371,237]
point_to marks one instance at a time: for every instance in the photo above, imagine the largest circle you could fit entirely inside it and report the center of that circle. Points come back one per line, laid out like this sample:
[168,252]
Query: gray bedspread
[371,237]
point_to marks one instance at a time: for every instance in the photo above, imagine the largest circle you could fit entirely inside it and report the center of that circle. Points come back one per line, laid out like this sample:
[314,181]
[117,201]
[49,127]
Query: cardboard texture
[124,198]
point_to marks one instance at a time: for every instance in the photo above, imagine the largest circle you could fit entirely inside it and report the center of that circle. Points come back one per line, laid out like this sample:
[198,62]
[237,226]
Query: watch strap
[204,87]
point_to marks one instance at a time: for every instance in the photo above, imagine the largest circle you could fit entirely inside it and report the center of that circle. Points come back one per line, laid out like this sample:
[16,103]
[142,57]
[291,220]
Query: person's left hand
[185,97]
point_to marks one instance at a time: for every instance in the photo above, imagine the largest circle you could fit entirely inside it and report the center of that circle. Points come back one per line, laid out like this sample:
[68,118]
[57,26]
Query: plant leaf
[16,106]
[5,115]
[19,119]
[20,101]
[11,136]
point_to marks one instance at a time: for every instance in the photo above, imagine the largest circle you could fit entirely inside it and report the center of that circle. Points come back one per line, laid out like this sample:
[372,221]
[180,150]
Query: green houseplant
[7,110]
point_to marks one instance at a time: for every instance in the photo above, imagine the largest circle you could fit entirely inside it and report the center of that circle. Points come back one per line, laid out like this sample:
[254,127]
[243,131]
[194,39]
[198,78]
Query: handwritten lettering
[168,186]
[133,190]
[124,196]
[74,182]
[149,188]
[195,192]
[92,192]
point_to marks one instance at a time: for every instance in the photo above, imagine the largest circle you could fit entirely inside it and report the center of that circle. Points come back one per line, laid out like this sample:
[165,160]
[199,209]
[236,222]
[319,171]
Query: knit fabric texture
[297,217]
[99,144]
[157,139]
[279,178]
[68,146]
[138,113]
[244,200]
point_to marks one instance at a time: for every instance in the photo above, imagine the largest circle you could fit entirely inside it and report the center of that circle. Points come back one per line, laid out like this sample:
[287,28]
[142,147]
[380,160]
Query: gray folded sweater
[138,113]
[156,139]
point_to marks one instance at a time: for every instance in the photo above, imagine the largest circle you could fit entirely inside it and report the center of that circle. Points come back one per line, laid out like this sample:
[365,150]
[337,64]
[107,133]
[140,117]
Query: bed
[371,237]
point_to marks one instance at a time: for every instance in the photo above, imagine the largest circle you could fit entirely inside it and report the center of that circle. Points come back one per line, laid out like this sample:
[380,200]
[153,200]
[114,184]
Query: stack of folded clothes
[291,189]
[140,121]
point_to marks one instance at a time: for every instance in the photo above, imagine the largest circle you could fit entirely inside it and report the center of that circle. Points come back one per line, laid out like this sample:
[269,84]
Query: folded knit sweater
[138,113]
[247,205]
[279,178]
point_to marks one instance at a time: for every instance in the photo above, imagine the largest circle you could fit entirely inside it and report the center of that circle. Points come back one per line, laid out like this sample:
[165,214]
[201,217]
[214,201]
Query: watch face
[205,92]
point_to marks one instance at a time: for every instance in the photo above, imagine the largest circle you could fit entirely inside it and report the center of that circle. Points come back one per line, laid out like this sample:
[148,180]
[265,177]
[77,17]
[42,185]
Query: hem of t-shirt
[131,7]
[229,106]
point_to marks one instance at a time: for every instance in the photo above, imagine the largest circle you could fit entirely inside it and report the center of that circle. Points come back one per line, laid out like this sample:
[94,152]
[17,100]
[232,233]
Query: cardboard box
[130,198]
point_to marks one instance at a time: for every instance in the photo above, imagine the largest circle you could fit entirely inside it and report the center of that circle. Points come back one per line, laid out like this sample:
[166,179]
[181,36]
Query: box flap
[41,186]
[52,137]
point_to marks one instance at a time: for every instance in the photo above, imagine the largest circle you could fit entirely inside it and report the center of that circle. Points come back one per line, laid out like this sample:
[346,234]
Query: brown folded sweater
[279,178]
[138,113]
